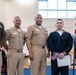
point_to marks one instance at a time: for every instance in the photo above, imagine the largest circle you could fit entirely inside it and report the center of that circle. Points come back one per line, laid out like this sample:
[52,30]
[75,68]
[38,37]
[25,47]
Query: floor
[48,71]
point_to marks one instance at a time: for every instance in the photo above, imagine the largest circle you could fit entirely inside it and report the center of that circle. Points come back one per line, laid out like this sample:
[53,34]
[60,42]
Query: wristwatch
[64,53]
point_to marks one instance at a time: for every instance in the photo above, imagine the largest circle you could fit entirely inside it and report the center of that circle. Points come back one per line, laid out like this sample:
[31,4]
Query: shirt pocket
[36,31]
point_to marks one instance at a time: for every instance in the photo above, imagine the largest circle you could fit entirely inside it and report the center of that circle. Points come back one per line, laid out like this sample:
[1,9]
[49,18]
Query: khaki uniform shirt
[38,36]
[15,38]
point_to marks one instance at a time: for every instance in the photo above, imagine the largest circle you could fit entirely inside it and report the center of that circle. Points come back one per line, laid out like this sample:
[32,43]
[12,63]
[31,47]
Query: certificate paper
[65,61]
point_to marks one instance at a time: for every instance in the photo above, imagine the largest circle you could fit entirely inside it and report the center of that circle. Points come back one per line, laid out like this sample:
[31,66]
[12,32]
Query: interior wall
[69,24]
[3,11]
[26,12]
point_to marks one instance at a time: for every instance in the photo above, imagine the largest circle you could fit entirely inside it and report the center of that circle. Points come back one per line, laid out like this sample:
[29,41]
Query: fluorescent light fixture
[24,2]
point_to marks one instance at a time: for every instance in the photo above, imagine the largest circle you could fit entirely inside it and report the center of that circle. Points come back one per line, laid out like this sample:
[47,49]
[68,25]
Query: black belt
[43,47]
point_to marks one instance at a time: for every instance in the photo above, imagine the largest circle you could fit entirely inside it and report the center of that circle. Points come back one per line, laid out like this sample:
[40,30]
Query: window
[57,8]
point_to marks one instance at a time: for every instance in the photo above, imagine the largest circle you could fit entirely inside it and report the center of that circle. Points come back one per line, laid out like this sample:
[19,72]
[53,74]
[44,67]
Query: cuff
[65,53]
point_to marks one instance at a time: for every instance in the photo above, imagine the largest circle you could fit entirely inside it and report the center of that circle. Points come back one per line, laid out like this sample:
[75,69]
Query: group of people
[37,41]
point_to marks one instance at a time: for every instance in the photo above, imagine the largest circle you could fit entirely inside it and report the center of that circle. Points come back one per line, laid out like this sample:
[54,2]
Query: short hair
[38,15]
[59,19]
[16,17]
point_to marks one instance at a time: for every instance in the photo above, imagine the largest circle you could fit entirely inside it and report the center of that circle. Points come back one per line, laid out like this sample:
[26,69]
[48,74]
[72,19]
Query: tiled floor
[48,71]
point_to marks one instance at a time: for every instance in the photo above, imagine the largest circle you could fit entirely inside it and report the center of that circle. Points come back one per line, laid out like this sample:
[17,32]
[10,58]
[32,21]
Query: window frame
[58,10]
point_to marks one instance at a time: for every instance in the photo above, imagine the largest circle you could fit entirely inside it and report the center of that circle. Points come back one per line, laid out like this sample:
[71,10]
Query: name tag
[14,33]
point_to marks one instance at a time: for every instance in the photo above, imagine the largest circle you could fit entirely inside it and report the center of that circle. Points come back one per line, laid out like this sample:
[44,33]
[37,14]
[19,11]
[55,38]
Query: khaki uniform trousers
[15,63]
[0,61]
[38,65]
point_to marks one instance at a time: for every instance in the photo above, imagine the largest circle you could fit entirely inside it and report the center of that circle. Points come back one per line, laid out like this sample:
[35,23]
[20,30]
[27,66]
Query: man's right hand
[31,56]
[0,47]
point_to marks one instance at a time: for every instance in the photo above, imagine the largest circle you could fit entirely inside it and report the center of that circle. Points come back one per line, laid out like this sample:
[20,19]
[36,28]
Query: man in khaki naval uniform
[36,38]
[15,59]
[2,42]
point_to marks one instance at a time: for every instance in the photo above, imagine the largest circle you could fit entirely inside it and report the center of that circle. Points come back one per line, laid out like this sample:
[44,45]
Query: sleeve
[74,52]
[29,32]
[50,43]
[24,34]
[8,34]
[75,47]
[75,42]
[3,37]
[46,31]
[70,44]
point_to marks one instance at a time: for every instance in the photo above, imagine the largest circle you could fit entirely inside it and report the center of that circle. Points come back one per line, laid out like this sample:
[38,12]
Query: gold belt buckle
[19,51]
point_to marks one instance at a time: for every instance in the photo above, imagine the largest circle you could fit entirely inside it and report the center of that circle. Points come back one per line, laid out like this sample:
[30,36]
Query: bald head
[38,19]
[38,15]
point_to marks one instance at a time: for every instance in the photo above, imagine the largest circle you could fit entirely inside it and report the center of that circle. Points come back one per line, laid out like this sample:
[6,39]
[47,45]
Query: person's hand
[31,56]
[48,54]
[0,47]
[5,46]
[54,56]
[75,60]
[60,55]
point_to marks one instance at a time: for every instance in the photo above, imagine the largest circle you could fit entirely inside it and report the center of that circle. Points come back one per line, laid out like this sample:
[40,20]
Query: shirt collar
[37,26]
[15,29]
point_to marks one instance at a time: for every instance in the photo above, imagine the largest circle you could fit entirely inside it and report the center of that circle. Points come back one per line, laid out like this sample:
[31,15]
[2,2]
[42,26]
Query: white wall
[69,25]
[26,12]
[10,8]
[3,11]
